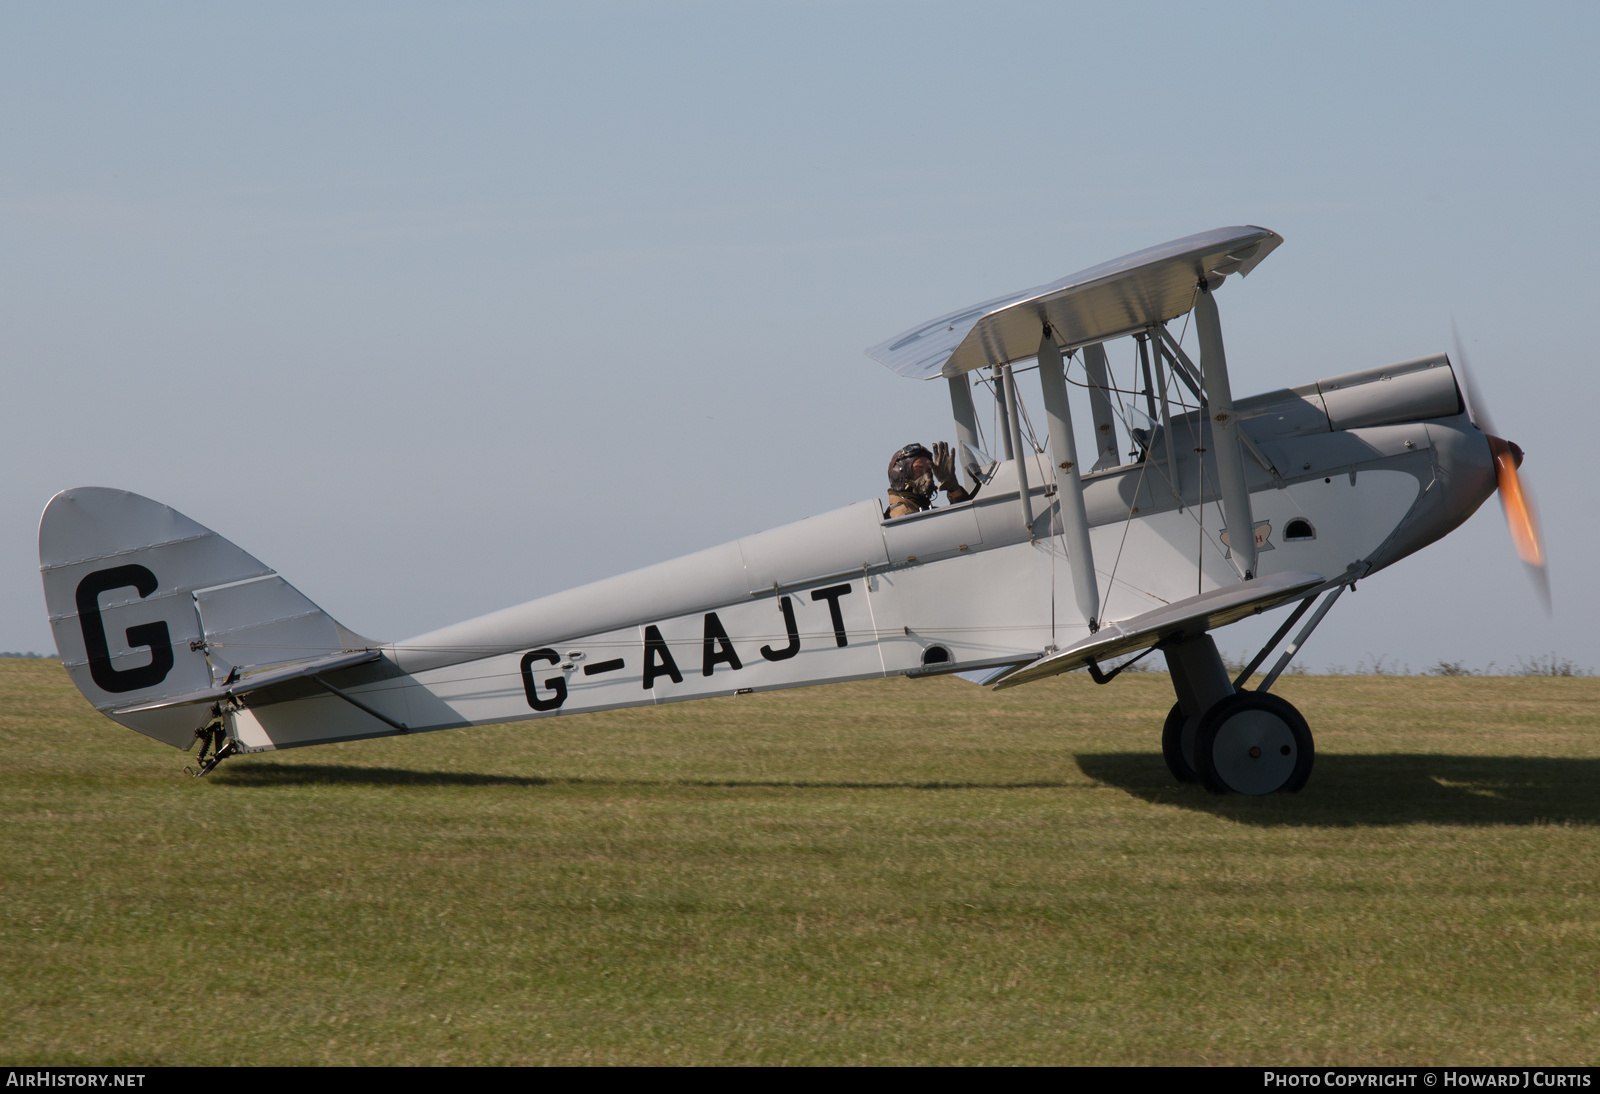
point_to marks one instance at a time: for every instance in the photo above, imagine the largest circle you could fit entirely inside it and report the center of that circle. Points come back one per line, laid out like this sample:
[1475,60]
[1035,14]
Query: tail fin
[147,605]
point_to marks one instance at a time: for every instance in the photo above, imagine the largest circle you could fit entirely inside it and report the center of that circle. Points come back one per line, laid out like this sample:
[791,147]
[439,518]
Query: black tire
[1250,743]
[1172,746]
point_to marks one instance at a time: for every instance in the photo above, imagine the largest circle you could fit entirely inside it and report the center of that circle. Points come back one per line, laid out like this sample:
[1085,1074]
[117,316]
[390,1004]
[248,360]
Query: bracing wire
[1172,399]
[1022,411]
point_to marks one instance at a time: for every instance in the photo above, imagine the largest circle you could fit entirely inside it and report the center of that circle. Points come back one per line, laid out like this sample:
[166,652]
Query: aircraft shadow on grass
[1350,790]
[1382,789]
[271,774]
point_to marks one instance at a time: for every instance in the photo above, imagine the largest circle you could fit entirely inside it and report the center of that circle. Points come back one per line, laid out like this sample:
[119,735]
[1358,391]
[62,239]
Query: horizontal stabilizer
[1190,617]
[256,682]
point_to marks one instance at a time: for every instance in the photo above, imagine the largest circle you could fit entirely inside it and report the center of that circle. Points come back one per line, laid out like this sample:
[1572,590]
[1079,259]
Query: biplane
[1196,510]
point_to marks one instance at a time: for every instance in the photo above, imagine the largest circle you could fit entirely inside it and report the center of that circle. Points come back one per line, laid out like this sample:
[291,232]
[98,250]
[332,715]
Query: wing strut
[1000,383]
[1095,367]
[1166,416]
[966,416]
[1182,367]
[1069,483]
[1225,435]
[1015,444]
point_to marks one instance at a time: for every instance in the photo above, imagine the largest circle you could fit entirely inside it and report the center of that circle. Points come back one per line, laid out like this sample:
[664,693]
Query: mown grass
[892,872]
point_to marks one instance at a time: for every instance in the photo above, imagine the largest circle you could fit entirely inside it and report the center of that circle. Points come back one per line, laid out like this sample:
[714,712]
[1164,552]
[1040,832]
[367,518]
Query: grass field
[891,872]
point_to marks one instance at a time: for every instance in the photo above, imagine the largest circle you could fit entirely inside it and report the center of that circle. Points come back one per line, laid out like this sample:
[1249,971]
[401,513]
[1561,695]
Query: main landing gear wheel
[1251,743]
[1172,746]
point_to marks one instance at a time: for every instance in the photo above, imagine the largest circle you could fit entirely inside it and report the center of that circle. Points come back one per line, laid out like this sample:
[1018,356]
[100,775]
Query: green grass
[891,872]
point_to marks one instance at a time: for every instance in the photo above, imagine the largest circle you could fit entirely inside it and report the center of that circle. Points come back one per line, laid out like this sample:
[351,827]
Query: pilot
[912,472]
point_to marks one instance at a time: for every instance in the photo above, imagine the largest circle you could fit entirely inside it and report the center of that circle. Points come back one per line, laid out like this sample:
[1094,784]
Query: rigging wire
[1022,413]
[1172,400]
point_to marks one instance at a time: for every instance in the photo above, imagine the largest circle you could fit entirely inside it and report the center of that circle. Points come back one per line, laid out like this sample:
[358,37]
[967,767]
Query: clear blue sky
[439,308]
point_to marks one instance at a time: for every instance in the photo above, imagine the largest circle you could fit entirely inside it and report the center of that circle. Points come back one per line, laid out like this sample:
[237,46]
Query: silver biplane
[1223,508]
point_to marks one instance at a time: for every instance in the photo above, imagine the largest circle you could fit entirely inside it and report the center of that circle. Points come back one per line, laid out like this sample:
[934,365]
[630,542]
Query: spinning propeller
[1515,501]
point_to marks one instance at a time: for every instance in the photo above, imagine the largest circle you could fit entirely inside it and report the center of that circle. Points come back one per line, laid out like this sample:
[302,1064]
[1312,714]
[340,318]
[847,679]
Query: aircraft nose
[1511,446]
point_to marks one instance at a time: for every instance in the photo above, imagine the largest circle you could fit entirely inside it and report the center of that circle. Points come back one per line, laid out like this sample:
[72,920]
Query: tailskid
[213,738]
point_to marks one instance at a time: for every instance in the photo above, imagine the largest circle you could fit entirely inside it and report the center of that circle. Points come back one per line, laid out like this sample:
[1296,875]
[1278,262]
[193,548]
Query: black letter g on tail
[155,635]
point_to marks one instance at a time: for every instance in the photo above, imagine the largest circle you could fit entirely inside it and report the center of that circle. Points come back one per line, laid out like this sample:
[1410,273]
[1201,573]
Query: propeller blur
[1515,501]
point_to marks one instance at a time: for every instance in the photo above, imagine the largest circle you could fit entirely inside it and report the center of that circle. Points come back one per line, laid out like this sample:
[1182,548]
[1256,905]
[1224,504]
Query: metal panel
[996,507]
[709,577]
[937,533]
[1317,454]
[845,540]
[1282,414]
[740,646]
[260,623]
[1408,392]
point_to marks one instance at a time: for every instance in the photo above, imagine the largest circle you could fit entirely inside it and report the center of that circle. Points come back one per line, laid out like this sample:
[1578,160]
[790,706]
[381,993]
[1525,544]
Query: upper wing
[1104,301]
